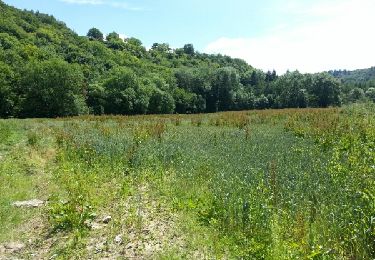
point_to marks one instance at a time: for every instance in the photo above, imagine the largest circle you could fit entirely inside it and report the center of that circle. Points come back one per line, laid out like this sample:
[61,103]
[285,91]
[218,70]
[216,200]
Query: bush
[74,214]
[52,88]
[161,102]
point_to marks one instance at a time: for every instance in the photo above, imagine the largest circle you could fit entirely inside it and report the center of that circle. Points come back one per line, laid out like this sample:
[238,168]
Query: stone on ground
[13,247]
[35,203]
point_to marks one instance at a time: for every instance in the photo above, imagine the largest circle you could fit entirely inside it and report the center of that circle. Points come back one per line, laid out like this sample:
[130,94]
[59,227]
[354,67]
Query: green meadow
[271,184]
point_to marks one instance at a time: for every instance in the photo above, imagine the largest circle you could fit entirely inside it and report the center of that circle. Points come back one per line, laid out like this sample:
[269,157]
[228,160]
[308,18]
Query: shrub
[73,214]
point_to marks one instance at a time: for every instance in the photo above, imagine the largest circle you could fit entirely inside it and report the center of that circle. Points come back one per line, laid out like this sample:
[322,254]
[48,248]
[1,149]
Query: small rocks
[96,226]
[100,247]
[100,224]
[35,203]
[107,219]
[118,239]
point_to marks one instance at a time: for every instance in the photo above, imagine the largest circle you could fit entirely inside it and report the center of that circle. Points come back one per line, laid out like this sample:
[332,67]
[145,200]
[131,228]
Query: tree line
[47,70]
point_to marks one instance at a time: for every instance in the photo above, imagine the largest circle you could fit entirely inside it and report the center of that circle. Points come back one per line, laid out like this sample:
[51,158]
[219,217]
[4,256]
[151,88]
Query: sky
[305,35]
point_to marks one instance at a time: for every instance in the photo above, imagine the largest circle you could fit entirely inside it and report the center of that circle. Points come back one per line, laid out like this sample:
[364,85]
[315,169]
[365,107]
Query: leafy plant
[74,214]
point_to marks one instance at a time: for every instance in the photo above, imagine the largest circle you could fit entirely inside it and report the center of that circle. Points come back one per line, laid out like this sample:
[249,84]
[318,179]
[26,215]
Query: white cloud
[116,4]
[335,35]
[123,36]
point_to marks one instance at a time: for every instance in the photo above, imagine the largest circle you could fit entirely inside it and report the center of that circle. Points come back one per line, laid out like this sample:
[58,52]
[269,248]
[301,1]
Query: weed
[70,215]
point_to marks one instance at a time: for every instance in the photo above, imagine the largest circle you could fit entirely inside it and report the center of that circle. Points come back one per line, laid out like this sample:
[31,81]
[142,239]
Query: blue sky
[308,35]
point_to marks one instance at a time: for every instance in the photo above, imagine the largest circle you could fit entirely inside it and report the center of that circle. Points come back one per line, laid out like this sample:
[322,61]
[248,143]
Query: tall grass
[285,184]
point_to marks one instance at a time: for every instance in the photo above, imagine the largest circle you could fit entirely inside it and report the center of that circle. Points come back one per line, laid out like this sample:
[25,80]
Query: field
[274,184]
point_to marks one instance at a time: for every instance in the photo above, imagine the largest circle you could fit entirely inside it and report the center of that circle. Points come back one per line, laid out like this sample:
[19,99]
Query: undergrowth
[285,184]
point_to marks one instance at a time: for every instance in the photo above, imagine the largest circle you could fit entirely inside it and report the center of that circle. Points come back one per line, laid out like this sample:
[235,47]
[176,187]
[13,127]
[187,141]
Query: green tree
[189,49]
[356,94]
[124,93]
[161,47]
[261,102]
[290,89]
[52,88]
[115,42]
[161,102]
[134,41]
[113,36]
[96,99]
[7,94]
[244,99]
[370,93]
[185,101]
[95,34]
[302,98]
[226,84]
[324,91]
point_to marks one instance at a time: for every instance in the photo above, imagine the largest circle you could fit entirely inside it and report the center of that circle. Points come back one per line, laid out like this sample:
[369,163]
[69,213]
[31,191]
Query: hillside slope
[47,70]
[355,76]
[356,84]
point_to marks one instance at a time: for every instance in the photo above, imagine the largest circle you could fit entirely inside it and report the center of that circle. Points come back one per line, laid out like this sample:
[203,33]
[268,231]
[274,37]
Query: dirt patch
[138,227]
[143,230]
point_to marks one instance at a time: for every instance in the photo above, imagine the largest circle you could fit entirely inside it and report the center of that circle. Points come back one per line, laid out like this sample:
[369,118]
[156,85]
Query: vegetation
[47,70]
[358,85]
[275,184]
[252,184]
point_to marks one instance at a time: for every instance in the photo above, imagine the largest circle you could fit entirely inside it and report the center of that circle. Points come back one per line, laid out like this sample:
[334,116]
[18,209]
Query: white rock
[96,226]
[107,219]
[100,247]
[28,203]
[118,239]
[14,246]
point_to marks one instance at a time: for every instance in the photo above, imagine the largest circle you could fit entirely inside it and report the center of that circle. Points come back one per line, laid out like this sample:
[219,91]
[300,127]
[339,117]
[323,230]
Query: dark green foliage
[113,36]
[7,98]
[370,93]
[161,102]
[125,94]
[356,76]
[134,42]
[226,84]
[189,49]
[325,91]
[96,99]
[84,76]
[356,94]
[95,34]
[353,81]
[185,101]
[51,88]
[261,102]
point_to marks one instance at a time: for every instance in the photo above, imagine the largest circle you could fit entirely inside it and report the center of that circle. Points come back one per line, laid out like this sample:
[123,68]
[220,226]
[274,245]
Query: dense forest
[357,84]
[47,70]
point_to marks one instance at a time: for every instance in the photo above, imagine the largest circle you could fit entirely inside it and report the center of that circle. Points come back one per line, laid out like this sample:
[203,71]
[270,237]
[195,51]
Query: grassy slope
[249,184]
